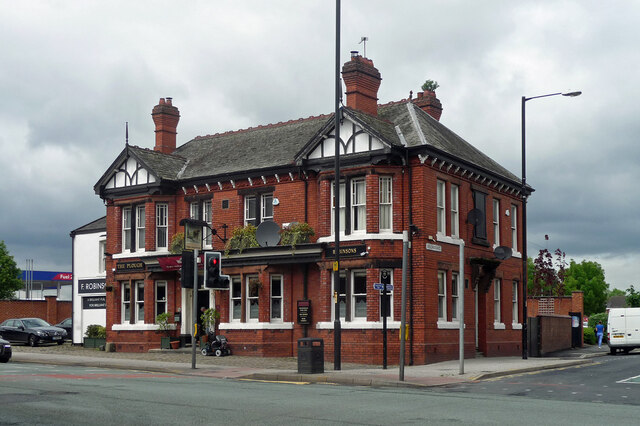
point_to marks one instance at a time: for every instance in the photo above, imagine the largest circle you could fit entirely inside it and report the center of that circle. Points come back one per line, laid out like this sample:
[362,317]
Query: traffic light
[212,268]
[186,270]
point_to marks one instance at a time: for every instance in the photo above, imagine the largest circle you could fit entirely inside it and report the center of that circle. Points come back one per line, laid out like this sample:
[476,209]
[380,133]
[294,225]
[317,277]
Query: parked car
[32,331]
[67,324]
[5,351]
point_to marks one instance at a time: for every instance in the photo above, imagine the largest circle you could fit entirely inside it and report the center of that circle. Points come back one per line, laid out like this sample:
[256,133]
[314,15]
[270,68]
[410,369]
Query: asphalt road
[69,395]
[612,380]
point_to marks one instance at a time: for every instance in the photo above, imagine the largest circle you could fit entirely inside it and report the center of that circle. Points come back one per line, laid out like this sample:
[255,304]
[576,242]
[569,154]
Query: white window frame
[126,229]
[276,281]
[236,283]
[455,299]
[386,203]
[140,227]
[207,216]
[139,286]
[126,303]
[514,227]
[442,295]
[266,207]
[440,207]
[251,298]
[102,256]
[249,210]
[343,203]
[162,226]
[496,222]
[455,211]
[497,303]
[161,301]
[358,296]
[358,205]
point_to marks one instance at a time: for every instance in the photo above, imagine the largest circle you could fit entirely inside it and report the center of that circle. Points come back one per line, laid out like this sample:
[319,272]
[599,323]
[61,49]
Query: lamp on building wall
[523,194]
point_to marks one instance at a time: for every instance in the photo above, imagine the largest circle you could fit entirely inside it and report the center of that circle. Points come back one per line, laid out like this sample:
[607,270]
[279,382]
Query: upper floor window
[455,211]
[140,225]
[258,209]
[102,257]
[496,222]
[342,207]
[126,229]
[358,205]
[440,194]
[201,210]
[514,228]
[386,203]
[276,297]
[162,231]
[480,228]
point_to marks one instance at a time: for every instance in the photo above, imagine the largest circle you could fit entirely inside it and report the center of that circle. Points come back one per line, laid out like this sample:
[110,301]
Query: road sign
[380,286]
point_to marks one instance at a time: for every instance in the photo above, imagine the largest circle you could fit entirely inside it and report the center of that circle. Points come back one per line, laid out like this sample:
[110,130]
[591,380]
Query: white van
[623,329]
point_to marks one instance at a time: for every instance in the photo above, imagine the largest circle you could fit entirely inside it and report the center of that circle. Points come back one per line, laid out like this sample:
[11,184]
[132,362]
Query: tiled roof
[164,166]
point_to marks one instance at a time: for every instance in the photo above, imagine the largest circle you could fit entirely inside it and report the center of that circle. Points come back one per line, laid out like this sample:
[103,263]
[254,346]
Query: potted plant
[296,233]
[242,237]
[430,86]
[95,336]
[209,319]
[162,321]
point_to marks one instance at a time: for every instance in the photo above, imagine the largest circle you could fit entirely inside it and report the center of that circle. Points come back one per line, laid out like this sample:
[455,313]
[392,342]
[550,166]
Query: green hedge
[589,336]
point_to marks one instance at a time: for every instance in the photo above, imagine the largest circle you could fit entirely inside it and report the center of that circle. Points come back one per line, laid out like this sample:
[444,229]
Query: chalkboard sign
[304,312]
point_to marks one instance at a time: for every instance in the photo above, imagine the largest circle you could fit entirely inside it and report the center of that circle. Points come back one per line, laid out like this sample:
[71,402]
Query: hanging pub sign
[130,266]
[347,251]
[304,312]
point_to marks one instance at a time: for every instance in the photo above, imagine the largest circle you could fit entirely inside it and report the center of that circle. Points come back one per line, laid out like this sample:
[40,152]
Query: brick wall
[50,309]
[555,333]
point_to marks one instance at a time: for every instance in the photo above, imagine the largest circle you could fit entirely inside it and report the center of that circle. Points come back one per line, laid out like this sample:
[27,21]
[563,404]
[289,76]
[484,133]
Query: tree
[633,297]
[10,281]
[542,274]
[615,292]
[588,277]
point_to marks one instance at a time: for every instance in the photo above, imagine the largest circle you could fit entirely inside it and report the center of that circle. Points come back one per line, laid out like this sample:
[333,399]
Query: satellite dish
[502,252]
[268,234]
[475,217]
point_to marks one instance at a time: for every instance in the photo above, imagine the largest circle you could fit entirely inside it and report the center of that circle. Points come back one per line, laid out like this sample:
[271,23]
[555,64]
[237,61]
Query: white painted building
[89,277]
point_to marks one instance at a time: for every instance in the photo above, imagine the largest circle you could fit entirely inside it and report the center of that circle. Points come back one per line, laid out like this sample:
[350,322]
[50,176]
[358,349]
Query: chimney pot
[166,117]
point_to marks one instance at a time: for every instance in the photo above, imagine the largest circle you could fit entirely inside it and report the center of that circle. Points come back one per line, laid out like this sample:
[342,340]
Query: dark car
[5,351]
[32,331]
[67,324]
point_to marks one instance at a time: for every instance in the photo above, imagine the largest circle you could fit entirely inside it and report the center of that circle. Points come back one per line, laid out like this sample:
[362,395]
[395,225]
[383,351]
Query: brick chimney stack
[362,80]
[428,102]
[166,117]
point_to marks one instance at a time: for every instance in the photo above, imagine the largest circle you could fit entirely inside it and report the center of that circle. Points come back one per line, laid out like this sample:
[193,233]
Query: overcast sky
[73,72]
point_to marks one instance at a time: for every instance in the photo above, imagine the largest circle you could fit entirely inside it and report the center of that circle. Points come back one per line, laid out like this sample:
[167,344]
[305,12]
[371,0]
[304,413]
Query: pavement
[286,369]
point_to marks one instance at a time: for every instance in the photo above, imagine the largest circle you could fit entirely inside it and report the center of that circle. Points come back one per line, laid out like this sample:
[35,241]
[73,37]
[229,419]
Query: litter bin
[310,355]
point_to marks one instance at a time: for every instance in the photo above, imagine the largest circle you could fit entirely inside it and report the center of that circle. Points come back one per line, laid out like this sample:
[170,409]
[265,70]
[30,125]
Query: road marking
[276,381]
[634,379]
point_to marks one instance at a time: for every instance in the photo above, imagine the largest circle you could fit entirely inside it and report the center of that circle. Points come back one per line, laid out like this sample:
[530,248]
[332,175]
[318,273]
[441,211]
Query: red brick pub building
[401,169]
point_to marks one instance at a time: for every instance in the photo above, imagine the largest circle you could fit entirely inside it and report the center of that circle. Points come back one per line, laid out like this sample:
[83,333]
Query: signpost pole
[403,320]
[194,309]
[461,308]
[384,325]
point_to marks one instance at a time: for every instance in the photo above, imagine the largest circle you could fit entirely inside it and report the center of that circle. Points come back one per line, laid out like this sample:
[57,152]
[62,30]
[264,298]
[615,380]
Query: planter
[94,342]
[165,343]
[175,344]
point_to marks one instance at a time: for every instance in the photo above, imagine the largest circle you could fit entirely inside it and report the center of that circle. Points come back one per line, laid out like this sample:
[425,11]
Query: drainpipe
[410,260]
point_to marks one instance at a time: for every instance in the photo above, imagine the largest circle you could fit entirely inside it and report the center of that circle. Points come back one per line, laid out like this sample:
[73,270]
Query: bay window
[359,295]
[252,299]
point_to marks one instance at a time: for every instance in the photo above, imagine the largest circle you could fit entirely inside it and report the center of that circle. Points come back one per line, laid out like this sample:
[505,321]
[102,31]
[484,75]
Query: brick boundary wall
[50,309]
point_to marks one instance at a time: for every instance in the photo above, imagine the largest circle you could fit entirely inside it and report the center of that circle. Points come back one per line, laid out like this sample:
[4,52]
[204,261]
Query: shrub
[163,322]
[296,233]
[589,336]
[593,320]
[241,238]
[430,86]
[95,331]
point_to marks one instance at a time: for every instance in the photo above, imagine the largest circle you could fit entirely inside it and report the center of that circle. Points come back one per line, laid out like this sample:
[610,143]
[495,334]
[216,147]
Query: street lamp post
[524,218]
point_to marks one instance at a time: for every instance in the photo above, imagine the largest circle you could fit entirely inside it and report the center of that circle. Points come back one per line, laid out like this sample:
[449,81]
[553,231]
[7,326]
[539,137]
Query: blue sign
[380,286]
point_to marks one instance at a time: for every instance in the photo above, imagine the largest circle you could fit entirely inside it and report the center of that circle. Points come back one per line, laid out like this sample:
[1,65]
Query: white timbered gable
[130,173]
[354,140]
